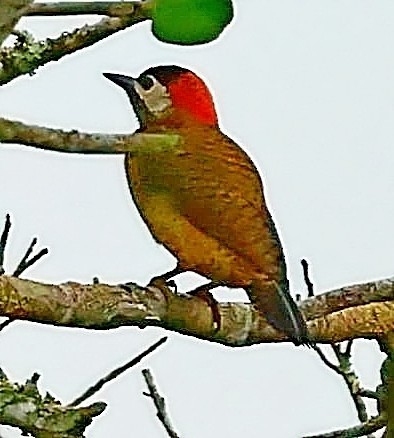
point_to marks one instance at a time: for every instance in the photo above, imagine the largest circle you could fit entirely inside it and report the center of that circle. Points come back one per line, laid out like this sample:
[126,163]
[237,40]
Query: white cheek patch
[156,99]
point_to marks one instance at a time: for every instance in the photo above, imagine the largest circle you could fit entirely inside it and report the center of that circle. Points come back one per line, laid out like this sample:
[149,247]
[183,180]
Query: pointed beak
[128,84]
[125,82]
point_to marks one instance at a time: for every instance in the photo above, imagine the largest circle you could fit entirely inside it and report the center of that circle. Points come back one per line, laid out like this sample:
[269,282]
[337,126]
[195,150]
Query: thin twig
[159,402]
[3,241]
[343,357]
[327,362]
[25,257]
[368,394]
[4,324]
[24,264]
[351,379]
[115,373]
[348,347]
[3,244]
[309,284]
[349,376]
[25,261]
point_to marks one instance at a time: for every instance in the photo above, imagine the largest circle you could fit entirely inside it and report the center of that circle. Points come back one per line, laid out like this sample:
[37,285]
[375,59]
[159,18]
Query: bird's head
[168,95]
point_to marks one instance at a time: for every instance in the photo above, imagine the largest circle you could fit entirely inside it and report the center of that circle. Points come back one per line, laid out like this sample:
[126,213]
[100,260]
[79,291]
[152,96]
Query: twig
[111,9]
[368,394]
[386,389]
[27,58]
[351,379]
[309,284]
[349,347]
[371,426]
[326,361]
[3,241]
[27,253]
[159,402]
[4,324]
[349,376]
[24,263]
[115,373]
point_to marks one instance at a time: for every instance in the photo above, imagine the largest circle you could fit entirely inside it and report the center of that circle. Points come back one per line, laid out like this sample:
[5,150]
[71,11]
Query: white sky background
[307,89]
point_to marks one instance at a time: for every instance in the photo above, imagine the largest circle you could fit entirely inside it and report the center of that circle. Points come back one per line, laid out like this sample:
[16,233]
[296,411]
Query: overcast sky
[307,89]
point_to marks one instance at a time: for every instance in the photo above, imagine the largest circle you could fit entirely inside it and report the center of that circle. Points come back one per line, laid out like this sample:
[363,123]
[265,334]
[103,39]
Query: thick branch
[29,55]
[100,306]
[10,13]
[76,142]
[349,296]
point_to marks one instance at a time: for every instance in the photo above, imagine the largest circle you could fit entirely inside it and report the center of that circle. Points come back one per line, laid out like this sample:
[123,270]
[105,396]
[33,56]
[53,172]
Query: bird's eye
[146,82]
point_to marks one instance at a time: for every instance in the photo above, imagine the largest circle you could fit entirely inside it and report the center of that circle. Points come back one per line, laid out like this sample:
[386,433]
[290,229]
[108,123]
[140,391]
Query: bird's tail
[280,310]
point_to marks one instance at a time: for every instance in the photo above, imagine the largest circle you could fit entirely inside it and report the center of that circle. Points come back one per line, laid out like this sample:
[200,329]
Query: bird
[205,202]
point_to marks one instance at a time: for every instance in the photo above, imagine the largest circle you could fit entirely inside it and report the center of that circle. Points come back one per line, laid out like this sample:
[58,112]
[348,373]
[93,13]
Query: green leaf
[190,21]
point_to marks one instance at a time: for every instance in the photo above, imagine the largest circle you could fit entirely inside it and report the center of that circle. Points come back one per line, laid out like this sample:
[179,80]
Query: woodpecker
[206,204]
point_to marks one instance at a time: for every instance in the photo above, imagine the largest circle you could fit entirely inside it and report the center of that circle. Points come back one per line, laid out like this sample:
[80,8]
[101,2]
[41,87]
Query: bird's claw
[203,292]
[164,286]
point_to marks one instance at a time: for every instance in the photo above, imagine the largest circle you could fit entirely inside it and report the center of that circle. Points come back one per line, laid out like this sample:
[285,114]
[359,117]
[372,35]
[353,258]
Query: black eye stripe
[146,82]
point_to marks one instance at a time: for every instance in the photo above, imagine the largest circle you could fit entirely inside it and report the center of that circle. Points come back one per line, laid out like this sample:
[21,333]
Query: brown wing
[220,192]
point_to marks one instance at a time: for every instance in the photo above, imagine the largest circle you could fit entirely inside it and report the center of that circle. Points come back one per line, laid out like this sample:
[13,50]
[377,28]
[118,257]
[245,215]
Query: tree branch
[351,379]
[385,391]
[28,261]
[371,426]
[75,142]
[345,370]
[111,8]
[23,406]
[117,372]
[29,54]
[101,306]
[3,241]
[159,402]
[307,279]
[25,262]
[10,13]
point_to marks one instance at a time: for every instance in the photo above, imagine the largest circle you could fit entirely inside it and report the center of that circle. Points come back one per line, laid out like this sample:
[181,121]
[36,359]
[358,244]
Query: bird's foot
[166,278]
[166,287]
[203,292]
[128,286]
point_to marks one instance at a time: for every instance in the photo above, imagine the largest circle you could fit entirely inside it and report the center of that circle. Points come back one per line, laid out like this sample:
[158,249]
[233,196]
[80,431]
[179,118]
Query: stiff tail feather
[280,310]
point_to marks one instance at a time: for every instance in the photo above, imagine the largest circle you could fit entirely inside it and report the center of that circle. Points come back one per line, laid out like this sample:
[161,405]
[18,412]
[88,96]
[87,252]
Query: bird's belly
[195,250]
